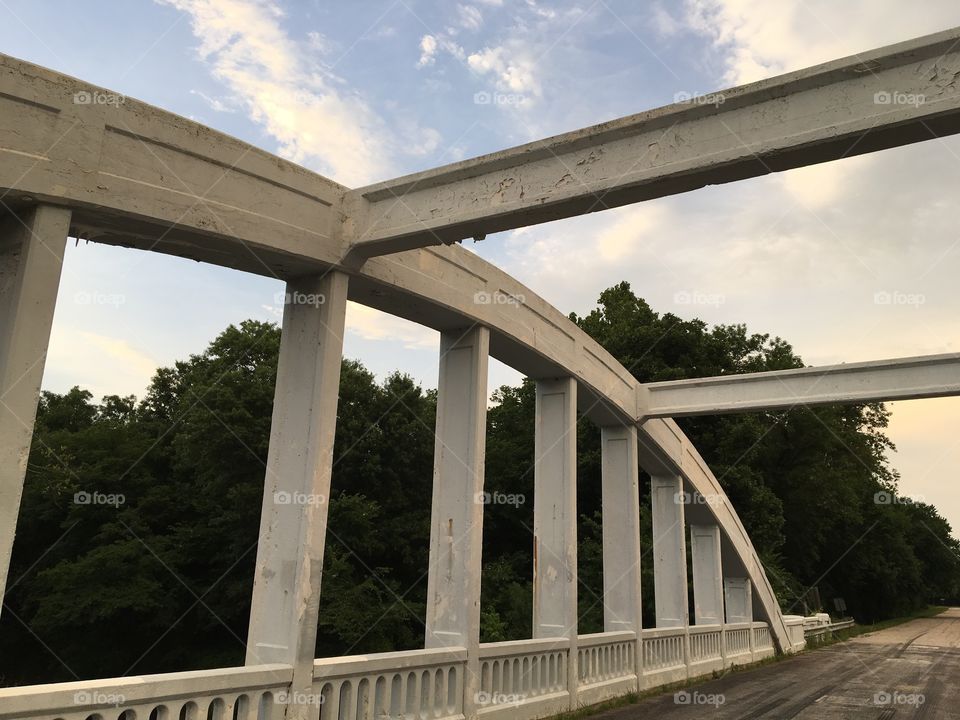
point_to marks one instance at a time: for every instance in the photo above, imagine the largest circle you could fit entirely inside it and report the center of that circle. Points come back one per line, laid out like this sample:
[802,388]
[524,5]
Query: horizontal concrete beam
[139,176]
[892,96]
[876,381]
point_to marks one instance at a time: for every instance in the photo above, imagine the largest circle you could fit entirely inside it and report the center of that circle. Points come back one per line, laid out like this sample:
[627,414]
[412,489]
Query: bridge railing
[706,649]
[738,643]
[607,666]
[524,678]
[520,679]
[762,641]
[664,656]
[409,684]
[257,692]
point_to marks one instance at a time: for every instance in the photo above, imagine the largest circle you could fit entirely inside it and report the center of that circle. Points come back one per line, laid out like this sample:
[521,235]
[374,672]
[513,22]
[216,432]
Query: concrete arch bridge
[132,175]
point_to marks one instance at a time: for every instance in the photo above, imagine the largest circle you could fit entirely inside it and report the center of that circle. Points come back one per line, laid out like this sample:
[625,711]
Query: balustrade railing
[762,641]
[522,680]
[422,684]
[246,693]
[606,665]
[738,644]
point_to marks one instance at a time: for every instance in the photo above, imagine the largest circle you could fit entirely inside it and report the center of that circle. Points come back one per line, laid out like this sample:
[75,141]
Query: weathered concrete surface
[887,97]
[874,381]
[137,176]
[293,519]
[31,257]
[879,676]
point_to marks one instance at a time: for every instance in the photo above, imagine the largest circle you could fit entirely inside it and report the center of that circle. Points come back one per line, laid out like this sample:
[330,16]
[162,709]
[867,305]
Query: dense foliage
[139,522]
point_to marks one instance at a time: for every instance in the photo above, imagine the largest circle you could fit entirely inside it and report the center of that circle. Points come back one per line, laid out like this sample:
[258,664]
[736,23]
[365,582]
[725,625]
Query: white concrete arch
[78,159]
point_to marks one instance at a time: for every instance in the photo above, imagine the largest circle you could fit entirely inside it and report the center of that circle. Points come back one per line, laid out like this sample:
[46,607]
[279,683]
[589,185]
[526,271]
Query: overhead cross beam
[876,381]
[884,98]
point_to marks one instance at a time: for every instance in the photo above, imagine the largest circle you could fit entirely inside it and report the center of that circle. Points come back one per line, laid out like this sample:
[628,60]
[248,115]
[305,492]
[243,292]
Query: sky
[849,261]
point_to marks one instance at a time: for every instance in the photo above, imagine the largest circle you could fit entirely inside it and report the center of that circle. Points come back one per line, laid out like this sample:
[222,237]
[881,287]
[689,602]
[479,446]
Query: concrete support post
[708,580]
[31,257]
[456,530]
[670,556]
[555,518]
[738,600]
[286,590]
[669,551]
[622,609]
[707,576]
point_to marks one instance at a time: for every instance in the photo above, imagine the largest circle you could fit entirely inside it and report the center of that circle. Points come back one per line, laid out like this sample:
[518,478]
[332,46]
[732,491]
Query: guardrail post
[293,523]
[622,609]
[31,257]
[456,527]
[555,519]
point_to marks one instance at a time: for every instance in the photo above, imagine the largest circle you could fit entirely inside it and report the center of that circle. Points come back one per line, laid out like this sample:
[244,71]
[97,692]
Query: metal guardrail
[817,632]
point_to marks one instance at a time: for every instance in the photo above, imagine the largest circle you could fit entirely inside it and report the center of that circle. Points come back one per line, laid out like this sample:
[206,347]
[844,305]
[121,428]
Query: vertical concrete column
[707,576]
[555,518]
[31,257]
[622,609]
[293,523]
[669,551]
[738,599]
[456,530]
[708,580]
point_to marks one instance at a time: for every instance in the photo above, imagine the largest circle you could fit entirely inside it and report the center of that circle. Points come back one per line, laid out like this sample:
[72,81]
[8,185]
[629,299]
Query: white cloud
[764,38]
[510,68]
[470,17]
[665,24]
[107,365]
[319,42]
[428,50]
[315,123]
[818,186]
[371,324]
[215,103]
[630,229]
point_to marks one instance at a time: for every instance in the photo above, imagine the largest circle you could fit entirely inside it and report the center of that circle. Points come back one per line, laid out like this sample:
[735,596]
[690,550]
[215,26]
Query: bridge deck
[907,671]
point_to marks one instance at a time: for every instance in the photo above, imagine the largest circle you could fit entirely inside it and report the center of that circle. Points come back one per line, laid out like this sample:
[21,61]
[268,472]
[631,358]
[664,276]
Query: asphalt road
[908,671]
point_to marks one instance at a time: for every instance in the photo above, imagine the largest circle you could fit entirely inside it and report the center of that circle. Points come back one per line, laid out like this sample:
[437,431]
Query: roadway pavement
[908,671]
